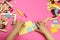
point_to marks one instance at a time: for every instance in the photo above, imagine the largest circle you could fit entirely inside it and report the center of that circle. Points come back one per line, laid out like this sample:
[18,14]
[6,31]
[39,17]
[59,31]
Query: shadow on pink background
[35,10]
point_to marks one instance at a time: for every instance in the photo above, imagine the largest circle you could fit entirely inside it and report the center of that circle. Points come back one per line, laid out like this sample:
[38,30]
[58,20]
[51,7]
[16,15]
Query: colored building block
[56,6]
[0,5]
[29,27]
[55,21]
[7,15]
[35,26]
[59,11]
[19,12]
[56,12]
[55,25]
[1,22]
[54,30]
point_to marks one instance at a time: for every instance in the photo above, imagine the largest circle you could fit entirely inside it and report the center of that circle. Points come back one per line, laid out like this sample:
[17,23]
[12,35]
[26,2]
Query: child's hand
[43,30]
[41,27]
[18,24]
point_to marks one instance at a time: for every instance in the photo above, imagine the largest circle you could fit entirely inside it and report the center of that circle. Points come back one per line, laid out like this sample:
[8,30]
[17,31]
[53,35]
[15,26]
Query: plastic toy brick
[55,25]
[29,27]
[54,30]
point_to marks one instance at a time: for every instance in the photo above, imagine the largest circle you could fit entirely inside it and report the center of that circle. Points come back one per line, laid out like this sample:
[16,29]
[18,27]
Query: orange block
[19,12]
[54,30]
[56,6]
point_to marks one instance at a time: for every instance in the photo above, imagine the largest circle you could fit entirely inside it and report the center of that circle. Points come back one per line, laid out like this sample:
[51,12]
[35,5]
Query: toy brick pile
[54,7]
[6,11]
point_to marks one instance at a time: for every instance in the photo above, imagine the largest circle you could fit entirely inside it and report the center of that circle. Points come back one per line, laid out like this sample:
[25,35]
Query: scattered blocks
[54,28]
[5,13]
[54,8]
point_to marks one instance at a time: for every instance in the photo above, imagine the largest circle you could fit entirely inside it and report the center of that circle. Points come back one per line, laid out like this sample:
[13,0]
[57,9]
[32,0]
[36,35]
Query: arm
[43,30]
[12,35]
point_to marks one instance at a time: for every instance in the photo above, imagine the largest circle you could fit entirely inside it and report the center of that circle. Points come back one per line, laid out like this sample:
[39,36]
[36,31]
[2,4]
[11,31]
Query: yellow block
[55,0]
[56,6]
[55,25]
[0,7]
[24,30]
[54,30]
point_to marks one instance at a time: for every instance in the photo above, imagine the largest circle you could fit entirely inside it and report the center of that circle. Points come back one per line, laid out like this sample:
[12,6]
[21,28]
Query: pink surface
[35,10]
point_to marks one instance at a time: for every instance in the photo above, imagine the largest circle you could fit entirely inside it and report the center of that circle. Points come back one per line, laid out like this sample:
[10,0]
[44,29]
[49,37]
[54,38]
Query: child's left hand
[18,24]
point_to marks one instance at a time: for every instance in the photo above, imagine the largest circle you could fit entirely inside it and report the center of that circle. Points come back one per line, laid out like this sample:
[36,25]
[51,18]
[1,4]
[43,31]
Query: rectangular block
[29,27]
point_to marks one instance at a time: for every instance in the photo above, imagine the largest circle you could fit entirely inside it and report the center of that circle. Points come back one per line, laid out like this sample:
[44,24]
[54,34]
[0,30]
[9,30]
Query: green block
[1,22]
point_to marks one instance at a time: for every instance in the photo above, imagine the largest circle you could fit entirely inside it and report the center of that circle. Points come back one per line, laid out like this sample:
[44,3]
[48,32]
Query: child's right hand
[41,27]
[43,30]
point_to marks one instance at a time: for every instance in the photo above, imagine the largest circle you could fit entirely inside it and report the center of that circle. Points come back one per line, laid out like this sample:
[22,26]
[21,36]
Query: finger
[43,23]
[46,19]
[37,25]
[19,23]
[39,22]
[22,23]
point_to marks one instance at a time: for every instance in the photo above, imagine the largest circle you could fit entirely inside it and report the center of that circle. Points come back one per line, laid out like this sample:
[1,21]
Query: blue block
[7,15]
[55,21]
[29,29]
[35,26]
[56,11]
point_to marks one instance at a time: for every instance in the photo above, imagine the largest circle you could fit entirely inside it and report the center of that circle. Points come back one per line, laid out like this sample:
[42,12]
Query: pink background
[35,10]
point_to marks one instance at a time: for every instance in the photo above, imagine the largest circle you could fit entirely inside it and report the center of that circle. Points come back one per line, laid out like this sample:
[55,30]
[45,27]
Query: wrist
[45,31]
